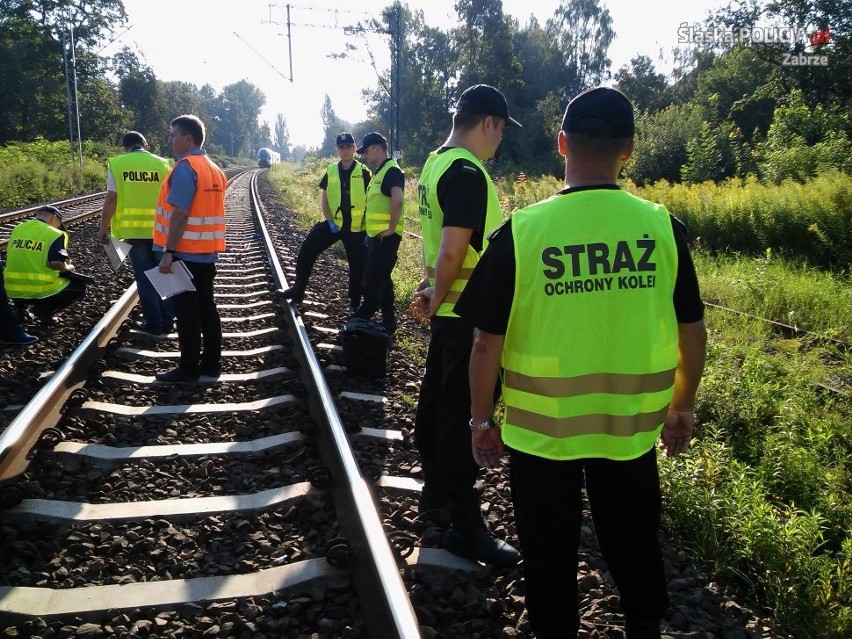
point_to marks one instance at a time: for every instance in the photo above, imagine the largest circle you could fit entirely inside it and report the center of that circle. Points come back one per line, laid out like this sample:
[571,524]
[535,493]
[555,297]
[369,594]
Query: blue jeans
[155,311]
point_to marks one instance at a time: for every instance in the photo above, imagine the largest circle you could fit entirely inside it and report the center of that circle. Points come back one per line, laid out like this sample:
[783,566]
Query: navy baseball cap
[482,99]
[50,209]
[370,139]
[600,113]
[345,139]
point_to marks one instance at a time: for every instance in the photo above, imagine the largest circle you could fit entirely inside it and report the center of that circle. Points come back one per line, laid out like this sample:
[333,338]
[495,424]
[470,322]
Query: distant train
[267,157]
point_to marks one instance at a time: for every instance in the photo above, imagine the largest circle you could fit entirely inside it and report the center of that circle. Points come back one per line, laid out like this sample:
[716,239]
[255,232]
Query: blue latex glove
[332,226]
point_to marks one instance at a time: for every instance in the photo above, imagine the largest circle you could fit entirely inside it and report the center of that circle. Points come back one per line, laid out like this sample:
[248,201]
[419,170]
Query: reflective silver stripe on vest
[614,383]
[205,221]
[615,425]
[203,235]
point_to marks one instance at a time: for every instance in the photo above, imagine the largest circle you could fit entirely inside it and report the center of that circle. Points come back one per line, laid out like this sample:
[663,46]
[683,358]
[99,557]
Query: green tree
[647,89]
[331,126]
[661,143]
[282,137]
[583,32]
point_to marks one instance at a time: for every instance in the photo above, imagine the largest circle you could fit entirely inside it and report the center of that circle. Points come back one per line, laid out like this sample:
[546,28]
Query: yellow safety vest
[378,214]
[432,221]
[590,351]
[357,194]
[138,177]
[27,273]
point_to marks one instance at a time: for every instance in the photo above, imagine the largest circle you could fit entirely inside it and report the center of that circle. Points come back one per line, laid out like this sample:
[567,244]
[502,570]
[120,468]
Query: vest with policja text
[357,194]
[432,221]
[378,214]
[27,273]
[590,350]
[205,227]
[138,177]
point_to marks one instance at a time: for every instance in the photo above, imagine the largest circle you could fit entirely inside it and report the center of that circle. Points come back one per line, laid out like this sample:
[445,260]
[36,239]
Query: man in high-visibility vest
[190,228]
[133,186]
[459,209]
[384,225]
[39,273]
[344,188]
[590,302]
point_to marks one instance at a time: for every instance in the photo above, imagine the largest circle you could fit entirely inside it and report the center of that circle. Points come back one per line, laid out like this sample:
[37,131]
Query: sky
[206,42]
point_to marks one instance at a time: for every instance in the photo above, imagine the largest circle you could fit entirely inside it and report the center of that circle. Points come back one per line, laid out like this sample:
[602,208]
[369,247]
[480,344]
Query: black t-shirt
[487,298]
[463,195]
[394,177]
[345,193]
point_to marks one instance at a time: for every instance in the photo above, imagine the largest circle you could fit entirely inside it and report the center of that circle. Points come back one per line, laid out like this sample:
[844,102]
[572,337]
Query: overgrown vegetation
[762,501]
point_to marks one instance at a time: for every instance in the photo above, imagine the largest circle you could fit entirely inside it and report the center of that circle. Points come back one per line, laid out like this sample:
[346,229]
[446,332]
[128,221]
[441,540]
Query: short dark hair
[133,139]
[466,121]
[595,148]
[190,125]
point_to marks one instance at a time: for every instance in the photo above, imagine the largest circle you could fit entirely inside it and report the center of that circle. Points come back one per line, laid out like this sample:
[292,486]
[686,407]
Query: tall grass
[810,222]
[41,171]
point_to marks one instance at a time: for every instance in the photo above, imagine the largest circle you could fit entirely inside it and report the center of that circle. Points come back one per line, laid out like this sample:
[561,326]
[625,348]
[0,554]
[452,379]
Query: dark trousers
[197,317]
[378,286]
[142,257]
[624,497]
[9,326]
[319,238]
[47,307]
[441,423]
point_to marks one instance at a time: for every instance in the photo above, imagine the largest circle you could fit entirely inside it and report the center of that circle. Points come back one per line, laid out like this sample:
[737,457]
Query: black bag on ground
[365,348]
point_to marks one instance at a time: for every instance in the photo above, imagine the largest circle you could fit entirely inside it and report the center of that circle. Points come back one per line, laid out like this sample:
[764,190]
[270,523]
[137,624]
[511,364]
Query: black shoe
[642,629]
[352,308]
[45,319]
[176,376]
[294,293]
[22,339]
[477,543]
[155,330]
[210,370]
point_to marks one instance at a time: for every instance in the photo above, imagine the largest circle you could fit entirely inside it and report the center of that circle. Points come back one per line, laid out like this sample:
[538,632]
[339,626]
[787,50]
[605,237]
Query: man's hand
[103,236]
[677,431]
[487,447]
[426,304]
[332,226]
[166,263]
[386,233]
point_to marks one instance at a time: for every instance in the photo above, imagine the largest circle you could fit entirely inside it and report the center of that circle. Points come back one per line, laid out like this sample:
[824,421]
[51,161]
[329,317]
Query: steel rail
[45,408]
[387,610]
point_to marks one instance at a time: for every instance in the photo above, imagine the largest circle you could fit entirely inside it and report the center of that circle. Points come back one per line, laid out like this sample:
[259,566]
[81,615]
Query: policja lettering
[140,176]
[598,259]
[28,245]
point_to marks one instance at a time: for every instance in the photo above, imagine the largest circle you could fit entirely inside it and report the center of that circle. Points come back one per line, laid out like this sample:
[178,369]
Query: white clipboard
[170,284]
[116,251]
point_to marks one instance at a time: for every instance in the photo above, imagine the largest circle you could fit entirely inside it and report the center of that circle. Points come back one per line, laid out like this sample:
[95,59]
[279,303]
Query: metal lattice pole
[396,65]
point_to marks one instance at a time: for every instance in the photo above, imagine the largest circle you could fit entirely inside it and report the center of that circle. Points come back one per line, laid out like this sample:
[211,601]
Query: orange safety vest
[205,228]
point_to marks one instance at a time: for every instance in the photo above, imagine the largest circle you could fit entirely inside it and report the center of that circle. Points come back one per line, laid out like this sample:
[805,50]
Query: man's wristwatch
[478,427]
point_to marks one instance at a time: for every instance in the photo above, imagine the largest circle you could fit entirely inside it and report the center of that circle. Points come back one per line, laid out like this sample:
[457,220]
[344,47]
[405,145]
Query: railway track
[222,509]
[301,470]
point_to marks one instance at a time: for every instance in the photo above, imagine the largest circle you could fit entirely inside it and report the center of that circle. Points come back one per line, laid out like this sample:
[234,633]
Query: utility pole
[71,83]
[396,65]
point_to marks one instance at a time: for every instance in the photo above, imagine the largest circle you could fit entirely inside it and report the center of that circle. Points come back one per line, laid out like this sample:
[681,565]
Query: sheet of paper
[169,284]
[116,251]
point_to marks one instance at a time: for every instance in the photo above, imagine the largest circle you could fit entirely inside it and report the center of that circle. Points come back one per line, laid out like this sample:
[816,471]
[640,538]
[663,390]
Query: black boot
[468,536]
[432,505]
[295,292]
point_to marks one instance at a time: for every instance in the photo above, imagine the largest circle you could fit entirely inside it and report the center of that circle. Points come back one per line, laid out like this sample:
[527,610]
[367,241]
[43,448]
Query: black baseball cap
[50,209]
[345,139]
[600,113]
[370,139]
[482,99]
